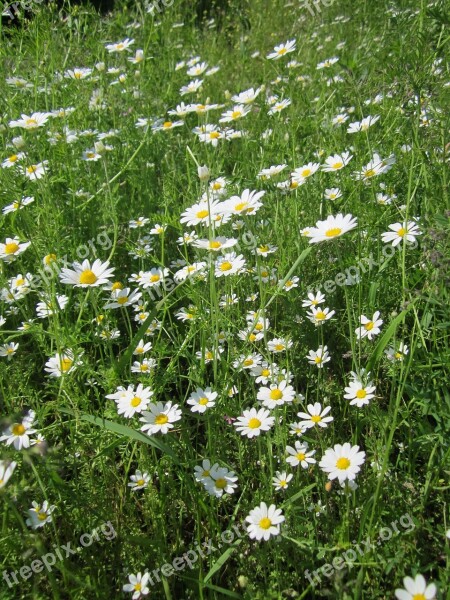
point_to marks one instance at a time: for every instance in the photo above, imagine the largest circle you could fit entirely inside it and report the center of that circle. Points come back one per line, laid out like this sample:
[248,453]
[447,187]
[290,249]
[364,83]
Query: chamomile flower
[313,300]
[202,212]
[291,283]
[86,275]
[35,172]
[332,227]
[359,393]
[276,395]
[342,462]
[201,400]
[18,434]
[62,364]
[301,174]
[332,194]
[122,298]
[145,367]
[222,481]
[139,481]
[264,522]
[137,585]
[12,160]
[416,589]
[253,421]
[134,401]
[369,327]
[281,480]
[215,244]
[8,350]
[362,125]
[160,418]
[278,106]
[282,50]
[299,455]
[238,112]
[315,416]
[142,348]
[336,162]
[279,345]
[246,97]
[319,357]
[202,473]
[401,232]
[229,264]
[34,121]
[6,470]
[40,515]
[119,46]
[398,354]
[17,205]
[319,315]
[12,248]
[248,203]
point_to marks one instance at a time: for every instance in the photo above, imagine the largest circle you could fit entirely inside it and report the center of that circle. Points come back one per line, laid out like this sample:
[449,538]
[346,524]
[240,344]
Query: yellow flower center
[88,277]
[137,587]
[342,463]
[161,419]
[401,232]
[276,394]
[140,482]
[281,51]
[293,185]
[241,206]
[318,360]
[203,401]
[279,347]
[252,337]
[300,456]
[167,124]
[143,367]
[316,418]
[122,300]
[361,394]
[11,248]
[369,172]
[214,135]
[282,483]
[221,483]
[254,423]
[265,523]
[120,46]
[135,401]
[419,597]
[18,429]
[216,186]
[154,278]
[369,326]
[202,214]
[306,172]
[226,266]
[31,122]
[42,516]
[13,158]
[333,232]
[66,363]
[236,114]
[49,258]
[320,316]
[116,286]
[338,165]
[215,245]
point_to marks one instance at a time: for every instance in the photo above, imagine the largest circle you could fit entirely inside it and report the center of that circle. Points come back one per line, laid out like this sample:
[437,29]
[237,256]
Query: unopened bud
[203,173]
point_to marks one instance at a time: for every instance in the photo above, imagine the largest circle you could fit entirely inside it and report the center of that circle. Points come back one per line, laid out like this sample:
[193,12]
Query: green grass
[398,49]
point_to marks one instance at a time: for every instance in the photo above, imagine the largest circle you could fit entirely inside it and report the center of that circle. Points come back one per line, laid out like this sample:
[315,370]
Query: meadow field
[224,308]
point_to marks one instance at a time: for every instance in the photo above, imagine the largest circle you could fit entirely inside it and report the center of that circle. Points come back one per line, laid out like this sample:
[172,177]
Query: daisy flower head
[299,455]
[229,264]
[253,421]
[201,213]
[319,357]
[301,174]
[134,401]
[34,121]
[332,194]
[336,162]
[61,364]
[202,473]
[8,350]
[12,248]
[342,462]
[319,315]
[120,46]
[222,481]
[137,585]
[86,275]
[313,299]
[6,470]
[282,49]
[281,480]
[397,354]
[37,171]
[18,433]
[238,111]
[139,481]
[264,522]
[401,232]
[160,418]
[359,393]
[315,416]
[369,327]
[279,345]
[201,400]
[248,203]
[39,515]
[246,97]
[416,589]
[276,395]
[332,227]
